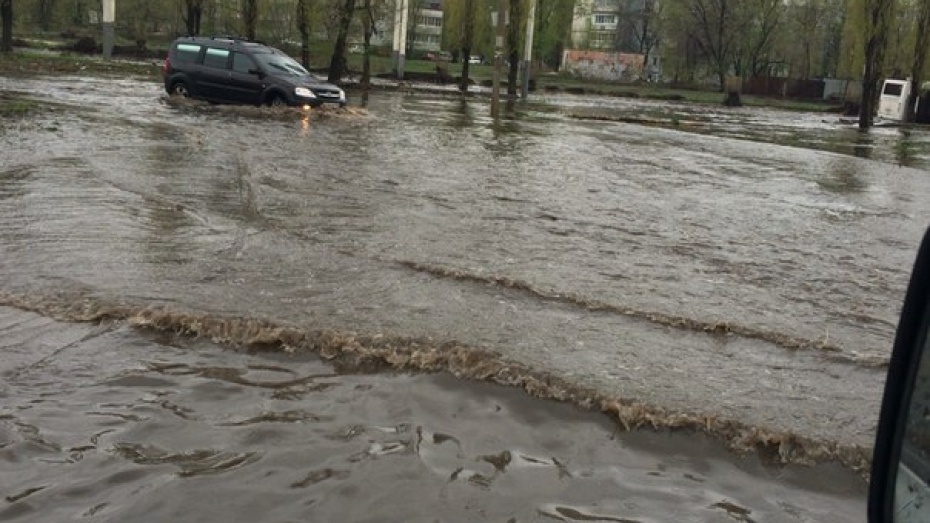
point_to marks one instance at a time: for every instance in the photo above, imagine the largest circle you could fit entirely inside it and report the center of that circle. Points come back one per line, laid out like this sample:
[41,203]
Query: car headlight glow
[342,95]
[304,92]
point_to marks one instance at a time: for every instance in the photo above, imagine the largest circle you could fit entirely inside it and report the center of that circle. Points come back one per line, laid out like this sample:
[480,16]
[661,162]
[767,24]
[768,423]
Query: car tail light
[165,66]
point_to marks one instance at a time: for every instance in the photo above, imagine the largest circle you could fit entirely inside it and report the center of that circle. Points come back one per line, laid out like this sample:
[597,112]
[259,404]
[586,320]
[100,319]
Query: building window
[429,21]
[605,19]
[600,40]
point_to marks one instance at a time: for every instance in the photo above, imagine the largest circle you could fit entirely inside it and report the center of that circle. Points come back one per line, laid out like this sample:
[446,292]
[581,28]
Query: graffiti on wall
[600,65]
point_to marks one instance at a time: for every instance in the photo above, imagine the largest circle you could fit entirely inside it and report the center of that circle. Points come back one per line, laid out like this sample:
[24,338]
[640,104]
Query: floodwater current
[171,273]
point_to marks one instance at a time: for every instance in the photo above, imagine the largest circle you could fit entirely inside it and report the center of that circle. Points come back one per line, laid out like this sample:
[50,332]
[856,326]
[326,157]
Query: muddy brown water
[671,277]
[107,423]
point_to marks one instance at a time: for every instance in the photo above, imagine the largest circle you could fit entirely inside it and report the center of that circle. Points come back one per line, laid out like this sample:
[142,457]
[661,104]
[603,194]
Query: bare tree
[413,14]
[250,17]
[303,27]
[920,57]
[368,26]
[717,30]
[648,33]
[638,26]
[808,19]
[514,34]
[45,10]
[193,14]
[337,65]
[468,36]
[552,18]
[878,14]
[6,12]
[763,18]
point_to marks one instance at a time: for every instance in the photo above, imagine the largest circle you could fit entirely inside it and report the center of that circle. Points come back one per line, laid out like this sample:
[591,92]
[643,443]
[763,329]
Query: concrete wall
[601,65]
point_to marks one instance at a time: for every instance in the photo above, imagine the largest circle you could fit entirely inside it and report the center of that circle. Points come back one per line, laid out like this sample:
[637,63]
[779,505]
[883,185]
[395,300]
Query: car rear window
[216,57]
[187,52]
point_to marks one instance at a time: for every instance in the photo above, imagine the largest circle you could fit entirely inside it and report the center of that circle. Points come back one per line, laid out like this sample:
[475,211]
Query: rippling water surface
[707,270]
[103,423]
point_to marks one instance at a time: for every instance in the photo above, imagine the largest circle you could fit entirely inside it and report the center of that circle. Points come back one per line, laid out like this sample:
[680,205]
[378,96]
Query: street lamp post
[109,16]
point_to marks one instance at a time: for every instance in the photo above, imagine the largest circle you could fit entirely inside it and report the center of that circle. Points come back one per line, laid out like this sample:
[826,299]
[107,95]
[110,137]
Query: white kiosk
[893,100]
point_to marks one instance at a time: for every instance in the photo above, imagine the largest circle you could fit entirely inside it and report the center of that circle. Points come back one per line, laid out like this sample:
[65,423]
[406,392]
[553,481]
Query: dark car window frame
[185,52]
[216,51]
[279,63]
[250,62]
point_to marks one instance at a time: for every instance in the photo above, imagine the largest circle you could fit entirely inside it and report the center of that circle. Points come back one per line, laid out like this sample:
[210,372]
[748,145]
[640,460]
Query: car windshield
[277,63]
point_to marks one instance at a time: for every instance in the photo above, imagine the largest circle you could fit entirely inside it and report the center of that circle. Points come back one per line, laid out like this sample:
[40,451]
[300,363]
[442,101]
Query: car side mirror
[257,73]
[900,482]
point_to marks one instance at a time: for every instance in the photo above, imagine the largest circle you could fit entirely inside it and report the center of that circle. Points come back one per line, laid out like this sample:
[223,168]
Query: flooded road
[104,423]
[671,277]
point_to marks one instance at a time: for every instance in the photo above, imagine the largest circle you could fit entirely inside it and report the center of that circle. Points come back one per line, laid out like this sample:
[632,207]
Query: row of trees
[867,39]
[696,39]
[467,25]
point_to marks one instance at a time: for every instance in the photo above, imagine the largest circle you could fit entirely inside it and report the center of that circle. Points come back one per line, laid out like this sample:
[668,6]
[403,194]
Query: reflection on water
[842,177]
[863,144]
[899,145]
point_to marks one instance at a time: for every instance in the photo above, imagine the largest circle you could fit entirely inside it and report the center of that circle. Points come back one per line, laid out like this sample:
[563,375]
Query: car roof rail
[236,39]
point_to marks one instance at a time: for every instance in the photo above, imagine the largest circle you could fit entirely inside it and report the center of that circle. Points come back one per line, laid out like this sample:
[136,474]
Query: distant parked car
[229,70]
[475,59]
[439,56]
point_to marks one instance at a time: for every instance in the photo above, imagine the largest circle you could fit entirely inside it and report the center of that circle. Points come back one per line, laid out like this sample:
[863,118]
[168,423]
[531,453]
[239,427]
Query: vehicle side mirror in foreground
[900,482]
[257,73]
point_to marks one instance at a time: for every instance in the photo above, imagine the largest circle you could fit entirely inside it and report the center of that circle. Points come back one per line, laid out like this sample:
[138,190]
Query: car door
[245,80]
[213,76]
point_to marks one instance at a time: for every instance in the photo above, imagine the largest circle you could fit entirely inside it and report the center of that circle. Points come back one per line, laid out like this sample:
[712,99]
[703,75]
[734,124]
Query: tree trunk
[337,64]
[870,76]
[878,16]
[513,72]
[194,15]
[6,12]
[369,27]
[468,35]
[46,11]
[920,56]
[466,54]
[410,42]
[303,27]
[250,18]
[513,46]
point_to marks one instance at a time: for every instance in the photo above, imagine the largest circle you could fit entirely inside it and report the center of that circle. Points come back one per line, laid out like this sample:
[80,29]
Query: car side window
[243,63]
[216,57]
[187,52]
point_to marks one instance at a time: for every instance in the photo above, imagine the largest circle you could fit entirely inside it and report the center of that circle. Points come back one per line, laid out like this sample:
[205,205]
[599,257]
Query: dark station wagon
[230,70]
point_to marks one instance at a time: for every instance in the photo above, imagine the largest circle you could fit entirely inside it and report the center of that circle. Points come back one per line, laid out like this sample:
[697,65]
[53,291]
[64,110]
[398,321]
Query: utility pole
[528,50]
[498,59]
[395,42]
[109,16]
[402,42]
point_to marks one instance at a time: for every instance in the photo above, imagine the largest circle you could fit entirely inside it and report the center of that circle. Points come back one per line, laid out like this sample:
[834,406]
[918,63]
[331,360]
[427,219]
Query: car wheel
[180,88]
[276,100]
